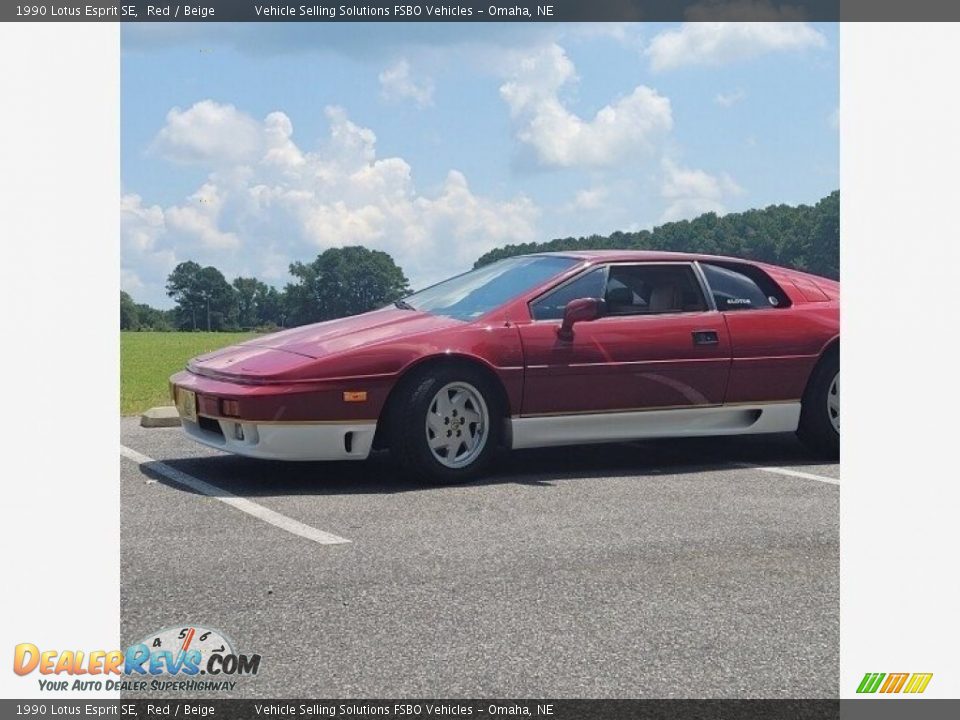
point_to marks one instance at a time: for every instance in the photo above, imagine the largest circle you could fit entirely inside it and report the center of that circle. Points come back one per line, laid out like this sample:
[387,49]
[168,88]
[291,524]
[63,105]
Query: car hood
[336,336]
[250,363]
[288,354]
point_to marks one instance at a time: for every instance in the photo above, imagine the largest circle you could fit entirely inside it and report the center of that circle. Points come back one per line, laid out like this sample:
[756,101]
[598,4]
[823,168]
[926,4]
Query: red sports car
[532,351]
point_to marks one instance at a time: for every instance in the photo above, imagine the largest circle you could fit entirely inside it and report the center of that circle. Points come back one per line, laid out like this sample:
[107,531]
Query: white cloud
[131,282]
[281,151]
[144,254]
[591,198]
[690,192]
[141,224]
[397,84]
[263,210]
[558,137]
[208,133]
[730,99]
[717,43]
[199,218]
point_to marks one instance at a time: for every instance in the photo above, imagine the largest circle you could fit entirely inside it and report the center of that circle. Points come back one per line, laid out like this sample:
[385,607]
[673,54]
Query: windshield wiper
[403,305]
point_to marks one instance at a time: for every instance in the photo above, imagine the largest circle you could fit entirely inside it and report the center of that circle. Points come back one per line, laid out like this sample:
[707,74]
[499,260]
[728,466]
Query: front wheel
[820,417]
[446,426]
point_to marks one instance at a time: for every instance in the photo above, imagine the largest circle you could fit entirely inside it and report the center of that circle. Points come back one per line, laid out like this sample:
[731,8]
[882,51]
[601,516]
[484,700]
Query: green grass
[148,359]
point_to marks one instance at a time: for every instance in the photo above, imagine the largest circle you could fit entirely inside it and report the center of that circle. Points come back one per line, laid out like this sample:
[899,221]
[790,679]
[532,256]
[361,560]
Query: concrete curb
[164,416]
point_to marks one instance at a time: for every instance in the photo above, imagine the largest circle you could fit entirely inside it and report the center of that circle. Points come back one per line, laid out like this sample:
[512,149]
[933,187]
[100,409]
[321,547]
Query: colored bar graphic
[870,682]
[918,682]
[894,682]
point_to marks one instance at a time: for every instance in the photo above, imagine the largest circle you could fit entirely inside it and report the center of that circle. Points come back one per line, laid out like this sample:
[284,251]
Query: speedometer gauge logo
[201,642]
[188,650]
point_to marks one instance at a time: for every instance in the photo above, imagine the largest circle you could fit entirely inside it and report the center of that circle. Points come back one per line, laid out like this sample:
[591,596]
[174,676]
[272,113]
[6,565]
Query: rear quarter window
[742,287]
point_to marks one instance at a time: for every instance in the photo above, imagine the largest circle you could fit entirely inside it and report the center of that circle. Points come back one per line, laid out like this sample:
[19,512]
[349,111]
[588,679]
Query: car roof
[640,256]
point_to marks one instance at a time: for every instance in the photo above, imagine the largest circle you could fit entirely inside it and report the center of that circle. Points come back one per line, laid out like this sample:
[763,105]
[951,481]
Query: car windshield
[468,296]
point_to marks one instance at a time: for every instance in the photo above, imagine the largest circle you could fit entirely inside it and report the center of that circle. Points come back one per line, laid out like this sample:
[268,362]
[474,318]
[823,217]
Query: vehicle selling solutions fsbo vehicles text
[362,11]
[398,11]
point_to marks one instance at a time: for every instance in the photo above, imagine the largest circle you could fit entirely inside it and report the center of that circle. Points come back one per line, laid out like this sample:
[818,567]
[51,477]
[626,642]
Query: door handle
[705,337]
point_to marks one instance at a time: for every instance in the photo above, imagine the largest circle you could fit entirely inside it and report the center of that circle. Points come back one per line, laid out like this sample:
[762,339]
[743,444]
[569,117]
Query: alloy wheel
[833,402]
[457,424]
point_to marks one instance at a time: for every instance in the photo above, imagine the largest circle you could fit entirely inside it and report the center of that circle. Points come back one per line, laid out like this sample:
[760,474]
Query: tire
[820,415]
[450,442]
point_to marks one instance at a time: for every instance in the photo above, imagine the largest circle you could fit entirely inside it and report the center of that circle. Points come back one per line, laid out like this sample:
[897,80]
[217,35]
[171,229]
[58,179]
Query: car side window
[733,289]
[650,289]
[551,306]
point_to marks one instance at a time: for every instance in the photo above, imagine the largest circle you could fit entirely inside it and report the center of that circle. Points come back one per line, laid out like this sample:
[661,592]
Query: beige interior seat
[665,298]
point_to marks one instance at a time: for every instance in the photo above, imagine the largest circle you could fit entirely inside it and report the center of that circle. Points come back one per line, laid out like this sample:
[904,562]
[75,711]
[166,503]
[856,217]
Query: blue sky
[250,146]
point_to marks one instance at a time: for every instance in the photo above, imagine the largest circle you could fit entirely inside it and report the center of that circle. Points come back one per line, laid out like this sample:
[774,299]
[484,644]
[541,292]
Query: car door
[659,344]
[775,344]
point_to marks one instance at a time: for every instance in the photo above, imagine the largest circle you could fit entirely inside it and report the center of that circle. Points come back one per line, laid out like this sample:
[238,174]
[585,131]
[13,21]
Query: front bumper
[275,422]
[284,441]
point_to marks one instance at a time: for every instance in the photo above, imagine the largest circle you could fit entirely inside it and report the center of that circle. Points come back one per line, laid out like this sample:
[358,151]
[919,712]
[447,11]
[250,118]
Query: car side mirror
[579,310]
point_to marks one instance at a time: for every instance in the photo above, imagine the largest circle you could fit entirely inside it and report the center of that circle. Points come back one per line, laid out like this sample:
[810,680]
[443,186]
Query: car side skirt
[740,419]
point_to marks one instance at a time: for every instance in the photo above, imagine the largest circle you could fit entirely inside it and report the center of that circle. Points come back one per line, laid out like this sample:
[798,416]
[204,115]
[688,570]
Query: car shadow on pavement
[540,467]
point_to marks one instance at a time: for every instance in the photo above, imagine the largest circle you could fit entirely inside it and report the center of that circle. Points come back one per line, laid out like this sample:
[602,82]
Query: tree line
[804,237]
[350,280]
[339,282]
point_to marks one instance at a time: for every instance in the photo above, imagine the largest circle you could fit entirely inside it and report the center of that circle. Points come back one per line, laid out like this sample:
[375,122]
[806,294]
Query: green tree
[824,238]
[250,294]
[183,287]
[140,316]
[342,281]
[204,297]
[129,316]
[219,300]
[153,319]
[272,307]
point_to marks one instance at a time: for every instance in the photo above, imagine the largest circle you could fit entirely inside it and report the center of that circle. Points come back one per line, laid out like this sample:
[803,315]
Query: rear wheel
[446,425]
[820,417]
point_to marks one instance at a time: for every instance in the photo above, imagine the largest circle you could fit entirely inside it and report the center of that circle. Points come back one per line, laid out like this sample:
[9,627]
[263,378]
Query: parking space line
[790,473]
[249,507]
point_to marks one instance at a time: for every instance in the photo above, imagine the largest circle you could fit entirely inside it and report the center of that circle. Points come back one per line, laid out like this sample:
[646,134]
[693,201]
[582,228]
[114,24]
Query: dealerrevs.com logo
[910,683]
[172,659]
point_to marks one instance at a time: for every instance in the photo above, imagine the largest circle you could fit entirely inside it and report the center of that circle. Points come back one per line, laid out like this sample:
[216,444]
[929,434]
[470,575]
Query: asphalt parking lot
[695,568]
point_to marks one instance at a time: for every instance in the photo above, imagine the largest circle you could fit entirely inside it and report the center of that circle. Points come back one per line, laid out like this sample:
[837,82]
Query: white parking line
[238,503]
[790,473]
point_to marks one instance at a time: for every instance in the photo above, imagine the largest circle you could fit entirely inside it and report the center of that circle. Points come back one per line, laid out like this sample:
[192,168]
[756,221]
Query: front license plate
[187,404]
